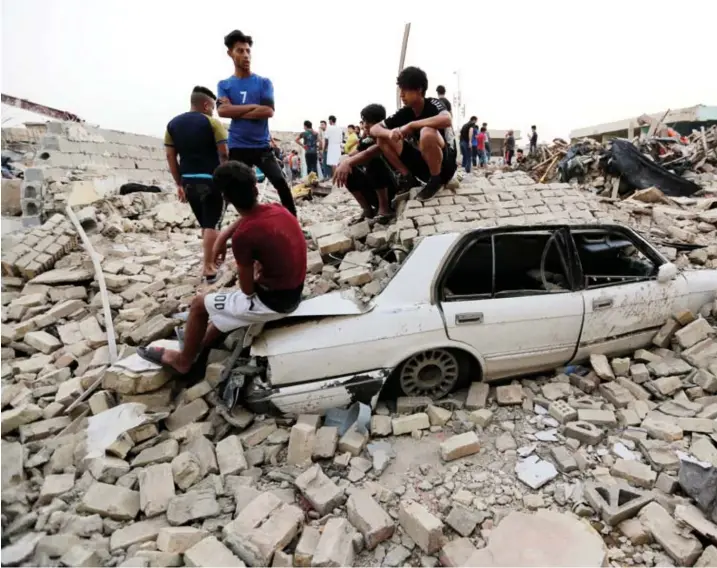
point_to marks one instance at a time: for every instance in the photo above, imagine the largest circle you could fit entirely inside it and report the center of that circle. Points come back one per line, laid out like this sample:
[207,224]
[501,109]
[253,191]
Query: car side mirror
[666,272]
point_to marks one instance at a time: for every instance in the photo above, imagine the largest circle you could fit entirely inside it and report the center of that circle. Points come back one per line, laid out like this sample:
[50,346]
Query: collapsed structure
[619,454]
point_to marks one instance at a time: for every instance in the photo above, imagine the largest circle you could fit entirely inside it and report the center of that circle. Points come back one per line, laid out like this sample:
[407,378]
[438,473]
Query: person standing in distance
[333,138]
[441,92]
[308,140]
[248,100]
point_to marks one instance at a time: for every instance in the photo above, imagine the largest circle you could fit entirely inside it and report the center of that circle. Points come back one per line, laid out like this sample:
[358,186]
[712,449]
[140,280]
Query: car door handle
[602,303]
[476,317]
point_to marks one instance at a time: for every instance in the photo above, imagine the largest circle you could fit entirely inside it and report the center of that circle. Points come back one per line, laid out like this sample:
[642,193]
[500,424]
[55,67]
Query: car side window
[508,265]
[609,257]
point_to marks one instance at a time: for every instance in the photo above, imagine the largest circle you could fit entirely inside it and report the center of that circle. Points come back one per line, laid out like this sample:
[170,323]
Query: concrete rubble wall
[78,164]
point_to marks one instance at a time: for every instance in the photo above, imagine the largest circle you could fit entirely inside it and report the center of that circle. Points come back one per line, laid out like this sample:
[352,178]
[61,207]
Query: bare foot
[174,360]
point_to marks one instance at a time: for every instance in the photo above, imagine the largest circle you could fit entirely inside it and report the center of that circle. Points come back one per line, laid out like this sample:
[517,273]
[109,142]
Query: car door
[493,299]
[625,304]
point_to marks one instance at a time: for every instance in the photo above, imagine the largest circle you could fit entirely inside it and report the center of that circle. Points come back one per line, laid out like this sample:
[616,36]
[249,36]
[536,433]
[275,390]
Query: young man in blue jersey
[248,100]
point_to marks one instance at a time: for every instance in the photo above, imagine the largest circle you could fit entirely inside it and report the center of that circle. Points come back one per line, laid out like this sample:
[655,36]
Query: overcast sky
[130,65]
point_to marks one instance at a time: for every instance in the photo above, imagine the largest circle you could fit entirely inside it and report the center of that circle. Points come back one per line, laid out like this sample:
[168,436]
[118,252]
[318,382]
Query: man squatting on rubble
[270,251]
[365,173]
[248,100]
[196,143]
[418,140]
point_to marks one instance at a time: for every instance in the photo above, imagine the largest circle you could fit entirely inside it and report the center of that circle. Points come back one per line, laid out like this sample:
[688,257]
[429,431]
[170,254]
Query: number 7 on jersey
[243,96]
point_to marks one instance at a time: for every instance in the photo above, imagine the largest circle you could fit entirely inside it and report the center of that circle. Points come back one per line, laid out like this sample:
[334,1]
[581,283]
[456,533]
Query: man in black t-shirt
[418,141]
[365,173]
[466,136]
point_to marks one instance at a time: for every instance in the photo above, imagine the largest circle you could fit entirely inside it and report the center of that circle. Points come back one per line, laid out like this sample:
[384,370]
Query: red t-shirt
[481,141]
[273,236]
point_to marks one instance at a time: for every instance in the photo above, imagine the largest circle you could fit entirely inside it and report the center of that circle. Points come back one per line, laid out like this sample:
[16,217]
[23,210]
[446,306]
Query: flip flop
[385,219]
[210,279]
[154,355]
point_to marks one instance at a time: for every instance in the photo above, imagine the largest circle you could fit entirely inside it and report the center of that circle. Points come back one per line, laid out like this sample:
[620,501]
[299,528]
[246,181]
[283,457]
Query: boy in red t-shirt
[482,155]
[270,252]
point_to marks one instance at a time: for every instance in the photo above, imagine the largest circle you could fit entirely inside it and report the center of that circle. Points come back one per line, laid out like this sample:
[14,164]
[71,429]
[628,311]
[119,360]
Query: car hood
[341,303]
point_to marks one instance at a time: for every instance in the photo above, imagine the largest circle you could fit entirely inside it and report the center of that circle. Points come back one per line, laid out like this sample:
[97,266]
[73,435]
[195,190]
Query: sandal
[210,278]
[359,219]
[154,355]
[385,219]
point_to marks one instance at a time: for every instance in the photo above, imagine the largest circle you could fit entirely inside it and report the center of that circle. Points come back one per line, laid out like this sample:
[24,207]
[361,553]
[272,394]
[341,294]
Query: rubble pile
[594,164]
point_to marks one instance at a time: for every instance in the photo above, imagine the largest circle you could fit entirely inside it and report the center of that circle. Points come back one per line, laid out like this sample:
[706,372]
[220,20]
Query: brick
[634,472]
[481,417]
[336,243]
[381,425]
[424,528]
[666,333]
[620,366]
[192,505]
[616,394]
[186,470]
[597,417]
[327,439]
[635,390]
[353,442]
[628,417]
[156,489]
[42,341]
[708,558]
[111,501]
[668,367]
[266,525]
[666,483]
[209,553]
[369,518]
[700,425]
[106,468]
[100,401]
[177,540]
[301,444]
[683,549]
[693,333]
[412,404]
[43,429]
[335,547]
[477,396]
[230,456]
[80,556]
[602,367]
[684,317]
[563,459]
[457,552]
[584,431]
[162,452]
[701,355]
[407,424]
[16,417]
[257,433]
[639,373]
[509,394]
[459,446]
[462,519]
[54,486]
[562,411]
[706,380]
[203,449]
[667,386]
[662,429]
[305,548]
[192,412]
[137,533]
[635,531]
[322,493]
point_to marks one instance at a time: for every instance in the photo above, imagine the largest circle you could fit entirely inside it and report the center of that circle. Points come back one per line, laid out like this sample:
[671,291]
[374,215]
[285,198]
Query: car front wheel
[433,373]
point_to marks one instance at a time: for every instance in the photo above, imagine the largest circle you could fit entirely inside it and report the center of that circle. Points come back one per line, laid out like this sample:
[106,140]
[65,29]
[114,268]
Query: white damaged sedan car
[483,305]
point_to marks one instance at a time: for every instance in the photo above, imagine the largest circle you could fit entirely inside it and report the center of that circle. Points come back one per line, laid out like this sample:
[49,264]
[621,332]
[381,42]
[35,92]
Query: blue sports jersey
[252,90]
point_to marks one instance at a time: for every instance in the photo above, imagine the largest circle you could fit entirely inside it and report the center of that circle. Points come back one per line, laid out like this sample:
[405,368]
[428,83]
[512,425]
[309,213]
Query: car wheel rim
[431,373]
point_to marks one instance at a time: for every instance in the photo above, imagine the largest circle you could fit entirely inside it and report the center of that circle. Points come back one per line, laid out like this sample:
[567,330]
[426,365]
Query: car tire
[433,373]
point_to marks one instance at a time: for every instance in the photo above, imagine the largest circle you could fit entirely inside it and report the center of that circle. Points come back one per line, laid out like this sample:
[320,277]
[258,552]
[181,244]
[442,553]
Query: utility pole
[404,45]
[458,107]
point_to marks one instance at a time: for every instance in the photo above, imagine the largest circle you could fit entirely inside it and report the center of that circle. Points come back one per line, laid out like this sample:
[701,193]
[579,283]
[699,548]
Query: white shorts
[231,310]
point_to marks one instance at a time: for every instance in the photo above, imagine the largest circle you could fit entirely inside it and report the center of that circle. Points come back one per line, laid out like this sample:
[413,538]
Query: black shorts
[206,202]
[413,160]
[368,178]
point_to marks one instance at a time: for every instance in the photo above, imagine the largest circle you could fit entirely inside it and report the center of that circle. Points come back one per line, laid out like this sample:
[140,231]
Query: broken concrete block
[203,450]
[616,502]
[701,355]
[230,455]
[457,552]
[481,417]
[407,424]
[156,488]
[562,411]
[353,441]
[257,433]
[323,494]
[192,412]
[509,394]
[301,444]
[314,263]
[617,394]
[163,452]
[111,501]
[459,446]
[42,341]
[304,552]
[16,417]
[335,547]
[547,538]
[209,553]
[107,469]
[602,367]
[597,417]
[54,486]
[667,386]
[635,531]
[639,373]
[327,439]
[708,558]
[424,528]
[81,557]
[682,549]
[662,429]
[123,381]
[177,540]
[693,333]
[564,459]
[462,519]
[369,518]
[192,505]
[666,333]
[137,533]
[186,470]
[333,244]
[634,472]
[381,425]
[477,396]
[584,431]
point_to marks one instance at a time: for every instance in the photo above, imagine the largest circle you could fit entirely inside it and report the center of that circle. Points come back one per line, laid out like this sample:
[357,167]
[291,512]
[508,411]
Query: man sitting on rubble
[270,251]
[366,175]
[418,141]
